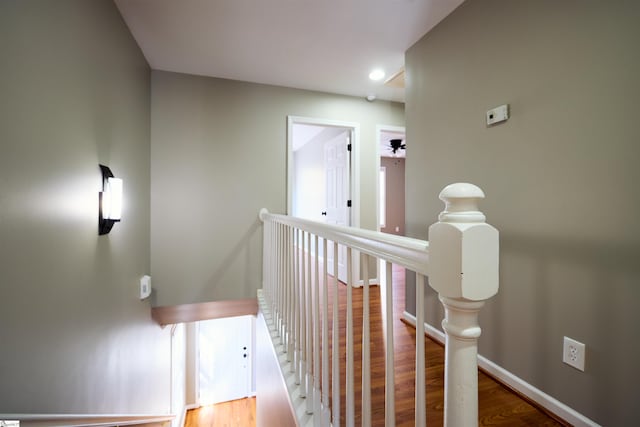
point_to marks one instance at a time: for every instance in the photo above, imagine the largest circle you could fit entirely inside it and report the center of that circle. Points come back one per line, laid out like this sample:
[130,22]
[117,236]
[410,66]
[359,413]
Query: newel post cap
[461,203]
[463,248]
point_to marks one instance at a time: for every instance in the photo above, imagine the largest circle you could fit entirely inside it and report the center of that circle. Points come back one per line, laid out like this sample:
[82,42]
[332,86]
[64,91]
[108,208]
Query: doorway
[323,177]
[225,359]
[392,145]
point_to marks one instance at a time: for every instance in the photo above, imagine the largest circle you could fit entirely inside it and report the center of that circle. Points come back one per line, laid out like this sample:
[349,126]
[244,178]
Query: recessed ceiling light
[377,74]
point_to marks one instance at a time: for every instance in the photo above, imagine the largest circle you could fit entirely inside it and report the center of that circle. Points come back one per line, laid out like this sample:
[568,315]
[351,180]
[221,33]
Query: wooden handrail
[184,313]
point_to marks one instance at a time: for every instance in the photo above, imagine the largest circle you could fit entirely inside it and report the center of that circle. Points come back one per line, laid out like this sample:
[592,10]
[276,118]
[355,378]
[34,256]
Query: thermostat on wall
[498,114]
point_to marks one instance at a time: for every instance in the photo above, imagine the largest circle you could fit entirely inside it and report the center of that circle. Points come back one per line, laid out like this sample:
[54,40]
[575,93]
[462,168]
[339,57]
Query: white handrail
[461,261]
[404,251]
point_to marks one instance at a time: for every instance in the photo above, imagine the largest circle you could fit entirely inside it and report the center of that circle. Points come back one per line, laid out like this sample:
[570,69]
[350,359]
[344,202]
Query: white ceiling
[324,45]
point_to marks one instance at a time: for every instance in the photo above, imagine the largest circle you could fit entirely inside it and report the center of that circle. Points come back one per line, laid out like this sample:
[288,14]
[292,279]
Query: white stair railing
[461,261]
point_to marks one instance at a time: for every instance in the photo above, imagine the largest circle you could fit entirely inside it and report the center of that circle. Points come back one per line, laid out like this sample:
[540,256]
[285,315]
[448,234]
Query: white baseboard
[536,395]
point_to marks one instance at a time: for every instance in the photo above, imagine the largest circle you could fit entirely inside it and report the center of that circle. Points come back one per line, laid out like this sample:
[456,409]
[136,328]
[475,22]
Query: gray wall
[74,337]
[218,155]
[395,202]
[560,177]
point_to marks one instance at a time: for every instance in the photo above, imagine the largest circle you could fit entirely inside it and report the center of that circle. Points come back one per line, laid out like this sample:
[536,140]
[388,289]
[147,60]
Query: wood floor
[498,405]
[237,413]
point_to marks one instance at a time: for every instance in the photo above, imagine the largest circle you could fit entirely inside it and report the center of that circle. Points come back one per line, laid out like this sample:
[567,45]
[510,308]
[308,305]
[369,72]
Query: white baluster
[265,252]
[281,299]
[350,395]
[285,302]
[366,345]
[283,281]
[463,263]
[325,337]
[421,413]
[292,272]
[335,339]
[290,303]
[389,368]
[316,335]
[276,285]
[309,324]
[274,272]
[297,286]
[303,318]
[269,256]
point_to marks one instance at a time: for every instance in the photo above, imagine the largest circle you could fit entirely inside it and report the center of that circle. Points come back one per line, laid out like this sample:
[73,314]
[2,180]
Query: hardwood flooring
[498,405]
[237,413]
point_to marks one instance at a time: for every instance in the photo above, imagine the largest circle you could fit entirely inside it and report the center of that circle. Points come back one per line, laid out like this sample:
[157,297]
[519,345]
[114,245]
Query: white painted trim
[186,409]
[91,420]
[379,130]
[355,158]
[382,170]
[196,357]
[536,395]
[354,170]
[296,401]
[355,176]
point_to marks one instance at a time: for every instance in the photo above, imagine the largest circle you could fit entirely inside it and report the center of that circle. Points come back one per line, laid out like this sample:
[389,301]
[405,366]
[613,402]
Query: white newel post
[463,269]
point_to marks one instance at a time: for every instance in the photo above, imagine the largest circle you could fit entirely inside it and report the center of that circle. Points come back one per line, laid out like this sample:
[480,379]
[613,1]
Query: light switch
[145,286]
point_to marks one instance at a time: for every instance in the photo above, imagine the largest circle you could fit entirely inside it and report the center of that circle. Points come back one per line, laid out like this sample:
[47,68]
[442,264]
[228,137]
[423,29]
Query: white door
[224,359]
[337,159]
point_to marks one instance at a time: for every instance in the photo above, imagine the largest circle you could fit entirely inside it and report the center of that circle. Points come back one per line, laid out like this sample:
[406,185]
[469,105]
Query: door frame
[354,172]
[381,264]
[379,130]
[354,178]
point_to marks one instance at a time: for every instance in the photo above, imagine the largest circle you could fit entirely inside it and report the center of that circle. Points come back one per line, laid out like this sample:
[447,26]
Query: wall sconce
[110,208]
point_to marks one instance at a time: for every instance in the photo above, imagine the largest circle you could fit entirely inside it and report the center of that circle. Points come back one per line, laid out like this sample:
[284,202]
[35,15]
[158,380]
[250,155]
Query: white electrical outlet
[573,353]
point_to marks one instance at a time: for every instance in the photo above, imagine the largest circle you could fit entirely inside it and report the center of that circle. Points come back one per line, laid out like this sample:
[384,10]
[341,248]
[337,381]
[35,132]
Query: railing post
[463,269]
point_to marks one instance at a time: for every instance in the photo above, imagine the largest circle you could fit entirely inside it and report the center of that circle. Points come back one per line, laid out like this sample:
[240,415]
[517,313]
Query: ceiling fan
[396,144]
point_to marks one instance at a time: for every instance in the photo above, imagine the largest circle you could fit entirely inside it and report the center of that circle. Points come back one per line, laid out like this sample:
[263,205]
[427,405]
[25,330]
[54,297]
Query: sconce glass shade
[110,208]
[112,199]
